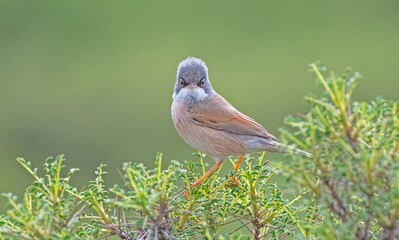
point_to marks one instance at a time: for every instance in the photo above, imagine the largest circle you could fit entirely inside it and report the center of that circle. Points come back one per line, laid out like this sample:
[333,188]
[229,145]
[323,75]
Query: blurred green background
[94,79]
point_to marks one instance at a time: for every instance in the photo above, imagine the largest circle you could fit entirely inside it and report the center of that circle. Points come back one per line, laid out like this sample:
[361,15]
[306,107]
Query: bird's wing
[219,114]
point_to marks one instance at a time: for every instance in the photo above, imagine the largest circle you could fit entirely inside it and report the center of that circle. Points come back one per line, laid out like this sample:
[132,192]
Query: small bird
[210,124]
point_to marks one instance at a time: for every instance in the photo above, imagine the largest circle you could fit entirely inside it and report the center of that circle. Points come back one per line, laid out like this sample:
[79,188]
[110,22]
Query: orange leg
[238,163]
[235,180]
[216,166]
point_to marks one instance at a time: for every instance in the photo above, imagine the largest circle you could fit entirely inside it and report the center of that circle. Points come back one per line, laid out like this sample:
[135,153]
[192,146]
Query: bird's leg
[238,163]
[235,180]
[216,166]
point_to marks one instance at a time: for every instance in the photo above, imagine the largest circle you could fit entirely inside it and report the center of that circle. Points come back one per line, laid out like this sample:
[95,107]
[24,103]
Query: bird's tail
[279,147]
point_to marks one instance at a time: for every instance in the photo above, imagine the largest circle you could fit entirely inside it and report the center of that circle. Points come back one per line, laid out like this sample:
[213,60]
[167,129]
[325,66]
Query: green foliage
[151,205]
[348,189]
[48,207]
[354,174]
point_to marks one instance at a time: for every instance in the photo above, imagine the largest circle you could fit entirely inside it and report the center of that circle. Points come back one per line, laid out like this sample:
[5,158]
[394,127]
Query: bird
[209,123]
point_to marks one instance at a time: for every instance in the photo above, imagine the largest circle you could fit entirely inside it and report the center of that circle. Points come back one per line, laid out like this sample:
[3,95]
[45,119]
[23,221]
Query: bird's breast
[218,144]
[183,123]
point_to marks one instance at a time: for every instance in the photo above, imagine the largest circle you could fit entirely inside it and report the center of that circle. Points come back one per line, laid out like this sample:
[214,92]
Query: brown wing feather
[217,113]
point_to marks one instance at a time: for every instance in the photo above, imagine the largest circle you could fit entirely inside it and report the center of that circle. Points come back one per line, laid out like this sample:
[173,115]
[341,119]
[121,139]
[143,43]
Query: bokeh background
[94,79]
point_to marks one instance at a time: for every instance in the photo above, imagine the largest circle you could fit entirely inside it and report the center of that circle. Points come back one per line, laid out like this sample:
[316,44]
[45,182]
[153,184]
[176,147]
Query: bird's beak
[192,86]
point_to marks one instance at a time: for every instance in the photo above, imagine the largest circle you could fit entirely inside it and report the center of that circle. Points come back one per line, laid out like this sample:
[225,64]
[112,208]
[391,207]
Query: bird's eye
[202,83]
[182,82]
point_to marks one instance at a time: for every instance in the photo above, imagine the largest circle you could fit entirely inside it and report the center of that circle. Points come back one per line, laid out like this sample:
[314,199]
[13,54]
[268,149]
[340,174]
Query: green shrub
[354,172]
[151,204]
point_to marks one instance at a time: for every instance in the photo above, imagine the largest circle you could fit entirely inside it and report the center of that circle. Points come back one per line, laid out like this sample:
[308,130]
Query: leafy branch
[355,169]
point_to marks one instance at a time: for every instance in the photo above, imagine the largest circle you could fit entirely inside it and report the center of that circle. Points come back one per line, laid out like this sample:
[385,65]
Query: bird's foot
[234,182]
[234,178]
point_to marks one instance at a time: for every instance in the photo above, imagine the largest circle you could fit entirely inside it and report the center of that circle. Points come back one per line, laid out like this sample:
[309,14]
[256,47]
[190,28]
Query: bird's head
[192,82]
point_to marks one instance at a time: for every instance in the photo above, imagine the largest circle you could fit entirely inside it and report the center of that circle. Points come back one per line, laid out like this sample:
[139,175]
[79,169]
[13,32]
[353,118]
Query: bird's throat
[190,95]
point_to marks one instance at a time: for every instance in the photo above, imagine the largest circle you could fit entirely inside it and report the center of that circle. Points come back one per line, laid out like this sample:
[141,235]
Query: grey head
[192,82]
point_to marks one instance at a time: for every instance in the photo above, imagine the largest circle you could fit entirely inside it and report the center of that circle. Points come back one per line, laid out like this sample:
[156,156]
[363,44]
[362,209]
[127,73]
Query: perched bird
[210,124]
